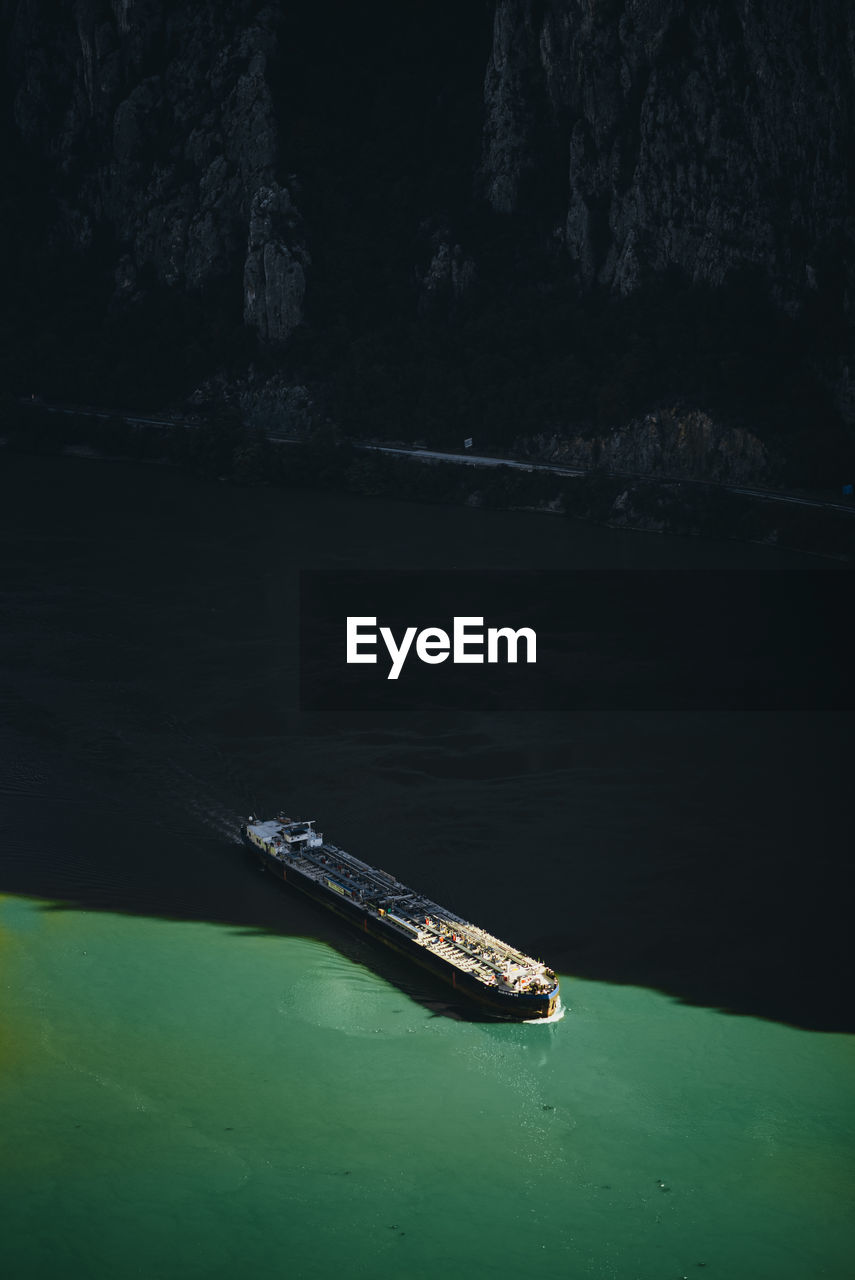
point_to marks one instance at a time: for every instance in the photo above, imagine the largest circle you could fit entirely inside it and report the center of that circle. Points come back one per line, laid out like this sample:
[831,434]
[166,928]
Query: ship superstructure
[472,960]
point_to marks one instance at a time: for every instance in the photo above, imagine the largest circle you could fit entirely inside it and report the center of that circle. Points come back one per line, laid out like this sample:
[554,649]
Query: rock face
[157,121]
[615,142]
[707,136]
[274,279]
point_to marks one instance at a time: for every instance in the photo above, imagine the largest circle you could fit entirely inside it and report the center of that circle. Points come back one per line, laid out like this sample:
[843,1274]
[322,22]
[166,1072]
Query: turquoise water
[187,1099]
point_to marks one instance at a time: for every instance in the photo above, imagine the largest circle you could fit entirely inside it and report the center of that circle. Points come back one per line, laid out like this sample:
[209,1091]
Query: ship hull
[519,1007]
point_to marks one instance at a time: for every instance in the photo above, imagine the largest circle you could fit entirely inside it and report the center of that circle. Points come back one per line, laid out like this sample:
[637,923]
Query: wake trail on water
[202,804]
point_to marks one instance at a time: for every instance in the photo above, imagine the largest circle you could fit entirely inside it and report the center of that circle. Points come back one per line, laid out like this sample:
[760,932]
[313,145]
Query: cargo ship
[477,965]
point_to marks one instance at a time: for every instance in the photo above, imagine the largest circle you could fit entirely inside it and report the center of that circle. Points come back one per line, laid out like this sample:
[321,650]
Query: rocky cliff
[515,218]
[157,122]
[707,136]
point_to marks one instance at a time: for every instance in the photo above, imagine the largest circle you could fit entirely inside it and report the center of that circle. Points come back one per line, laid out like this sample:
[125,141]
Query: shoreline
[228,452]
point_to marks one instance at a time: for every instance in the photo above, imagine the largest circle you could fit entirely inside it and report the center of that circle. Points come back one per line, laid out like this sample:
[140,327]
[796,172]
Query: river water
[203,1075]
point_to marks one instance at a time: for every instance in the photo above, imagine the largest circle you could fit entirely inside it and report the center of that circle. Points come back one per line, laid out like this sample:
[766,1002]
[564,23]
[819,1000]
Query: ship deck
[436,929]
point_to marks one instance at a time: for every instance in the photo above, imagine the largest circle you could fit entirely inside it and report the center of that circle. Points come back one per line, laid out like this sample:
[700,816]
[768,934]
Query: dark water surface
[205,1074]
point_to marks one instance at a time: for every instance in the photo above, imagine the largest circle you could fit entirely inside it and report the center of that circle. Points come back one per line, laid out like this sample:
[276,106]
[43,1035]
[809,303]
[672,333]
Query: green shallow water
[184,1099]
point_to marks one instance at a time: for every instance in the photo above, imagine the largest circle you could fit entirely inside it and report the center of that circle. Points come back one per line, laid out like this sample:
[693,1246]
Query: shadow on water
[720,877]
[799,987]
[269,908]
[147,689]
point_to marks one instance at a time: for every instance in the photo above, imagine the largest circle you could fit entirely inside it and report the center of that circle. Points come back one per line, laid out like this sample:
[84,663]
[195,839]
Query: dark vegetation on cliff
[429,313]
